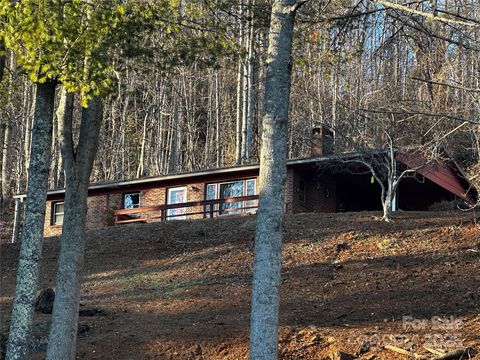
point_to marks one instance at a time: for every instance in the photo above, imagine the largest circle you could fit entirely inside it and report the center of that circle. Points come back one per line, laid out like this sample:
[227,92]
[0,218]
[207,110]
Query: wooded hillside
[107,90]
[362,68]
[181,290]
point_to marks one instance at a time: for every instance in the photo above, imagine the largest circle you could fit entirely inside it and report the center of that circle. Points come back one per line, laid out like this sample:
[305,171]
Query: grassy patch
[154,281]
[389,246]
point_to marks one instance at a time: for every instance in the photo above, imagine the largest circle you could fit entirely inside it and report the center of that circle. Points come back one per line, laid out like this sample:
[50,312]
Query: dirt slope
[181,290]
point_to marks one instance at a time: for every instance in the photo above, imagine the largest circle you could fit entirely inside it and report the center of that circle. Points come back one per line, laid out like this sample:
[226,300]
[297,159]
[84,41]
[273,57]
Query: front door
[176,196]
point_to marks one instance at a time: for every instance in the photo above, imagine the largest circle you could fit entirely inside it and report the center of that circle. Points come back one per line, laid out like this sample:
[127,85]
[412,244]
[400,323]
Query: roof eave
[234,169]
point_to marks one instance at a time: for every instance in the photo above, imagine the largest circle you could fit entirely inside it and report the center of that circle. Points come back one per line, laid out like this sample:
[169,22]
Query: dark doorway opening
[418,194]
[357,193]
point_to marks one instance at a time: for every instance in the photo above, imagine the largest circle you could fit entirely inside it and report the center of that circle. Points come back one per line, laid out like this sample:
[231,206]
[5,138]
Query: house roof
[298,162]
[179,176]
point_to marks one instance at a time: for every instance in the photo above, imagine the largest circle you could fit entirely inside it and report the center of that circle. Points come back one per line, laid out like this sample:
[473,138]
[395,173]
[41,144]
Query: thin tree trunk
[238,123]
[56,161]
[16,220]
[32,234]
[273,172]
[8,148]
[2,60]
[78,167]
[141,160]
[209,125]
[6,171]
[172,158]
[28,131]
[261,82]
[250,79]
[217,119]
[238,126]
[245,106]
[387,204]
[21,131]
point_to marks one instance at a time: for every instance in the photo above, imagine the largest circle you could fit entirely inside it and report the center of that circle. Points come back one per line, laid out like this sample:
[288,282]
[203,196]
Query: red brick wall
[320,192]
[48,228]
[196,192]
[158,196]
[298,204]
[316,198]
[99,214]
[152,197]
[289,191]
[101,207]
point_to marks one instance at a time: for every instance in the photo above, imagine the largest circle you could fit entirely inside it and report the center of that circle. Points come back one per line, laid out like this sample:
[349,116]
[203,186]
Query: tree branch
[445,84]
[429,16]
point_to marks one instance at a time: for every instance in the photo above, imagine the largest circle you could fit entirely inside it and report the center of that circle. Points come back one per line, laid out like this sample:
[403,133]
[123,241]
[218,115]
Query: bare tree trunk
[387,204]
[141,160]
[209,125]
[334,103]
[174,124]
[28,131]
[218,111]
[239,117]
[2,60]
[24,122]
[6,171]
[244,105]
[238,124]
[273,171]
[56,160]
[261,82]
[122,126]
[16,219]
[78,167]
[8,148]
[249,95]
[32,234]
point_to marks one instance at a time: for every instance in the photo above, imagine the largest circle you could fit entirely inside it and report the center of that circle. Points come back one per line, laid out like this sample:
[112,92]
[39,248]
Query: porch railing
[206,208]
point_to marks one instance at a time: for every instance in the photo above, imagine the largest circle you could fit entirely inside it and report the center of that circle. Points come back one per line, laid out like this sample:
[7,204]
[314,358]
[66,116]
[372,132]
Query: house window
[211,192]
[57,218]
[231,189]
[235,188]
[131,200]
[177,196]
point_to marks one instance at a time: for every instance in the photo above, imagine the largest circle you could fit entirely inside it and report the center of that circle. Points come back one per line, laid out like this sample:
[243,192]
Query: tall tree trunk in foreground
[273,171]
[32,234]
[78,166]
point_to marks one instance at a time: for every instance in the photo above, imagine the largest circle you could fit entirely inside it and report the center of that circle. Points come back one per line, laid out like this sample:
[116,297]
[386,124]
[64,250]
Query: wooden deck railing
[207,208]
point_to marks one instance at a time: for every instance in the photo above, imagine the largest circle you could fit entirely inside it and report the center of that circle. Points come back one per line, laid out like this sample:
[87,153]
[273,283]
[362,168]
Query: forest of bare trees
[361,68]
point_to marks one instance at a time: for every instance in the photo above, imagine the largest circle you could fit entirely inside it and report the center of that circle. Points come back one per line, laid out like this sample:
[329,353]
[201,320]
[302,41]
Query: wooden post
[211,211]
[16,220]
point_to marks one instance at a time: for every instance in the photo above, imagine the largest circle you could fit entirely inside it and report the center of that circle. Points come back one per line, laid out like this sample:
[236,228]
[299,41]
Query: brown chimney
[322,142]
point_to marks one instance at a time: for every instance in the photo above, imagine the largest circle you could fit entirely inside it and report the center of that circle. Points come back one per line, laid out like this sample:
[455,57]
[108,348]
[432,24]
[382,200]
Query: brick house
[315,184]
